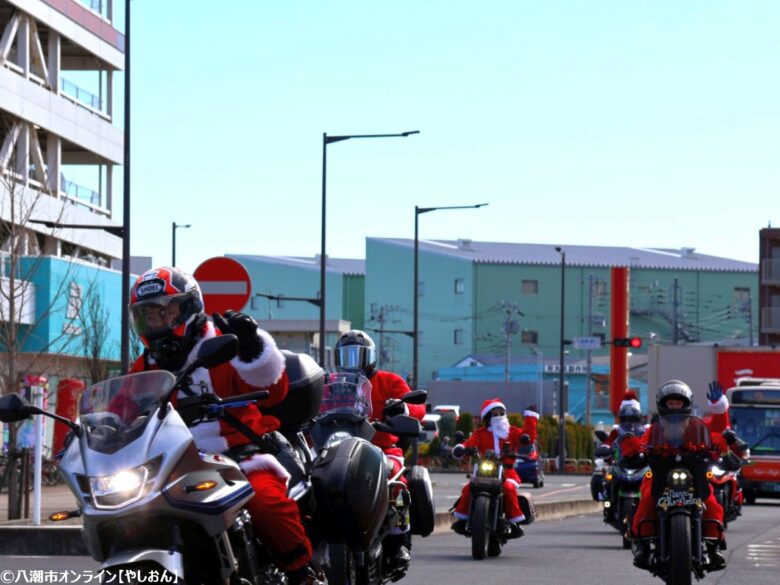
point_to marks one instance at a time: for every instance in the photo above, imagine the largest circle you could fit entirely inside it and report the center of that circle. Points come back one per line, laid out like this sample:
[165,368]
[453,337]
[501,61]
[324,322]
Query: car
[430,426]
[444,409]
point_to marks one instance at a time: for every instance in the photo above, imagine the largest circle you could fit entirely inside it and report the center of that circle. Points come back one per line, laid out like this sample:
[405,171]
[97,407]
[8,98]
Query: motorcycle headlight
[118,489]
[336,438]
[717,471]
[487,468]
[123,487]
[679,478]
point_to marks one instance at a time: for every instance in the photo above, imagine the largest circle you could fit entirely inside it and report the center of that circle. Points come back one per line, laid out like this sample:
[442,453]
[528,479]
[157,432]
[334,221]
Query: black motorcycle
[679,453]
[487,525]
[359,503]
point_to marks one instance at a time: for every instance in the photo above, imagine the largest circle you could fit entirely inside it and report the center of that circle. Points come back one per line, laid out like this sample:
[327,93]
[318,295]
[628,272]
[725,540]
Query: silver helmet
[674,389]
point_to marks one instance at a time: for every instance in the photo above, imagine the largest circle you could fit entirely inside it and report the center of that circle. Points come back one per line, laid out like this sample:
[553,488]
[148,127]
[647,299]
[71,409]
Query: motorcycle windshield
[346,392]
[679,432]
[114,412]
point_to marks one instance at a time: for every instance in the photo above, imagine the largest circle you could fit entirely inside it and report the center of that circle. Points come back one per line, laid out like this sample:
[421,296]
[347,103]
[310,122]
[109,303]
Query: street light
[537,351]
[416,301]
[325,141]
[561,387]
[174,226]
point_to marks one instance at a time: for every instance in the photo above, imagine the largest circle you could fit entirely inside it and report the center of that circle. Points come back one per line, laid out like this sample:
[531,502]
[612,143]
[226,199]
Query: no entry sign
[225,284]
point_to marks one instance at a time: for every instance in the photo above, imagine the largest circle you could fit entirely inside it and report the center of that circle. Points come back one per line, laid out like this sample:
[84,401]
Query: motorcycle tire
[727,505]
[680,557]
[341,569]
[628,508]
[480,527]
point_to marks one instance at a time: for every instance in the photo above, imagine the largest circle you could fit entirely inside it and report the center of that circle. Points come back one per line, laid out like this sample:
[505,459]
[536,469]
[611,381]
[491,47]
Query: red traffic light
[635,342]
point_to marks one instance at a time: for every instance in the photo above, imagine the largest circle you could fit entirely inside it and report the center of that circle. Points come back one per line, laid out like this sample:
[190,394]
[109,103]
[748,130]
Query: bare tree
[93,319]
[22,253]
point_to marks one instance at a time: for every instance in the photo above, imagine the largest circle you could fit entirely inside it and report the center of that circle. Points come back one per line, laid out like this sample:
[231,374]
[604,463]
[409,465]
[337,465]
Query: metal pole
[541,381]
[125,326]
[588,382]
[173,244]
[415,327]
[322,256]
[37,395]
[561,381]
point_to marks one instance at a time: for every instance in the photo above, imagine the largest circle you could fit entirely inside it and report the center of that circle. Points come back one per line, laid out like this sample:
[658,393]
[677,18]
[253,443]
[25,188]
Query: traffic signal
[633,342]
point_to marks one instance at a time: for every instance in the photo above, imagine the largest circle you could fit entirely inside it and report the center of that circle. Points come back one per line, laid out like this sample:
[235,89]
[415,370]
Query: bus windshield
[759,428]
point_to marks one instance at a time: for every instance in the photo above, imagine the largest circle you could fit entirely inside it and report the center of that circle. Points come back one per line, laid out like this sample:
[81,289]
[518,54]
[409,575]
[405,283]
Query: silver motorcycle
[148,498]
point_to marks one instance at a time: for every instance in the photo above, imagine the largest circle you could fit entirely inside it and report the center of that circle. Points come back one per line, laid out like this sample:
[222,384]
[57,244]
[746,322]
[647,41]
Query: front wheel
[480,527]
[679,572]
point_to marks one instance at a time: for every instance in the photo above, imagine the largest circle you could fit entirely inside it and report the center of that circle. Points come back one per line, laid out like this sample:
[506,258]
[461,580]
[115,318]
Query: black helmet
[355,350]
[674,389]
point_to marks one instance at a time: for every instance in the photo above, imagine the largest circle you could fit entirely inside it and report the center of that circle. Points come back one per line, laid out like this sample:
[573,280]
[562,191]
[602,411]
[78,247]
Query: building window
[458,337]
[530,287]
[741,293]
[74,301]
[459,286]
[600,288]
[529,337]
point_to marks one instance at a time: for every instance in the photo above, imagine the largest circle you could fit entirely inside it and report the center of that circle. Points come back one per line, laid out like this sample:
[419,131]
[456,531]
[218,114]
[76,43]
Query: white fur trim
[720,406]
[531,413]
[264,461]
[513,482]
[519,518]
[491,406]
[460,515]
[266,369]
[208,438]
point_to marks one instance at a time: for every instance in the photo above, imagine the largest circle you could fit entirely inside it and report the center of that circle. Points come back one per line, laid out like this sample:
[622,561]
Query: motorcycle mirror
[14,407]
[601,435]
[217,350]
[415,397]
[603,451]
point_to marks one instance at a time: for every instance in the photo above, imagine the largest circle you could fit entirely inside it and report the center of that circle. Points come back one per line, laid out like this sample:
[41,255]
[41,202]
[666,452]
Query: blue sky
[646,123]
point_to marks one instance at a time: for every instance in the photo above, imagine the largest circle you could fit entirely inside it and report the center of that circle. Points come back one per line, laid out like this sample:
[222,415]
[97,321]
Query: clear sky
[649,123]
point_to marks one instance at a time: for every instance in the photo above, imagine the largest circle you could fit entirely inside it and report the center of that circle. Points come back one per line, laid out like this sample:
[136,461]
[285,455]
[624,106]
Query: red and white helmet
[165,304]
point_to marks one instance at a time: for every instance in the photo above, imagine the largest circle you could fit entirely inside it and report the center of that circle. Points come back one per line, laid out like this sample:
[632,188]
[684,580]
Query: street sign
[587,343]
[225,284]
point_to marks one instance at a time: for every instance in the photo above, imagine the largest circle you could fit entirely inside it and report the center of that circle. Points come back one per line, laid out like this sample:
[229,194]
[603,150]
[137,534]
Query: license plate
[678,498]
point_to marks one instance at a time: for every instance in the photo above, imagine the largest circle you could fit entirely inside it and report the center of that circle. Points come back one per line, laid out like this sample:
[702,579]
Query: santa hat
[489,405]
[630,399]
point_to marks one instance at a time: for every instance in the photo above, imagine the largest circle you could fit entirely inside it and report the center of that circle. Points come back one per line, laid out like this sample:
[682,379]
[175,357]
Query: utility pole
[511,327]
[675,311]
[748,308]
[381,320]
[588,381]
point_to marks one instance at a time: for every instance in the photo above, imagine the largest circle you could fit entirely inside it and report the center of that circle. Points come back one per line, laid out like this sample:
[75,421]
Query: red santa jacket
[386,385]
[266,372]
[484,439]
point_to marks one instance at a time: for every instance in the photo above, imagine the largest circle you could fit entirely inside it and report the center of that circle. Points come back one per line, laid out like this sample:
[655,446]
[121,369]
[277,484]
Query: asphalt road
[576,550]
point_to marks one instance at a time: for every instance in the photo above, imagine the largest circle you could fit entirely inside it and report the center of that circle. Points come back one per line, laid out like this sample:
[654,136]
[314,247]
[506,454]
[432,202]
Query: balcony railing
[82,95]
[79,193]
[770,270]
[770,320]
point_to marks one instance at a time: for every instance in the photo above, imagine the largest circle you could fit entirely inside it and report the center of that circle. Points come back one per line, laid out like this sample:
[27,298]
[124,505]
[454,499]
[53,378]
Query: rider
[497,434]
[356,351]
[166,306]
[673,397]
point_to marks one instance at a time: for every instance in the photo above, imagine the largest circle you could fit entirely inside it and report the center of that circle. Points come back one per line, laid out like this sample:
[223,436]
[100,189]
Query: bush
[434,447]
[447,425]
[465,423]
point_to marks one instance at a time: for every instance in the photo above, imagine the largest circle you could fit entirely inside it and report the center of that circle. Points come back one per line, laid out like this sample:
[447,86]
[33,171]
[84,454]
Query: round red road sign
[225,284]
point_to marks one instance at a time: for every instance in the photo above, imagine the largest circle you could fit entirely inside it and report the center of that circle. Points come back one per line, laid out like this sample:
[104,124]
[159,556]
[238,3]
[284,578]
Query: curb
[67,540]
[545,512]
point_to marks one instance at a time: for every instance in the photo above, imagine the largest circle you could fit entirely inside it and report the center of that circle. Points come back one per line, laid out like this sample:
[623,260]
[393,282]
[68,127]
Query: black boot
[459,526]
[514,530]
[397,555]
[641,550]
[716,560]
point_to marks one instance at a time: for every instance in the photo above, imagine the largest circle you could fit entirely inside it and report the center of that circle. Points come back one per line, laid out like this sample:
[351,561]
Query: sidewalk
[54,499]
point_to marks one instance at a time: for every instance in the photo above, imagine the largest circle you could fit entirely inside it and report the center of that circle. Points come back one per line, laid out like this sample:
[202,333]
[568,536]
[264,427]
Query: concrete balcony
[770,320]
[770,271]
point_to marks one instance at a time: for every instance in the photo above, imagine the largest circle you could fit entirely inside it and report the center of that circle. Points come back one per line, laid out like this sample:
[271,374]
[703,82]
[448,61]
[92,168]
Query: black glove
[730,436]
[393,407]
[458,451]
[250,345]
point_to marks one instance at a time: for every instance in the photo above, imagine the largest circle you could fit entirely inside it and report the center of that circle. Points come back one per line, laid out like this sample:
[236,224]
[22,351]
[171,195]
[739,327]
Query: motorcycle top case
[304,394]
[422,514]
[350,488]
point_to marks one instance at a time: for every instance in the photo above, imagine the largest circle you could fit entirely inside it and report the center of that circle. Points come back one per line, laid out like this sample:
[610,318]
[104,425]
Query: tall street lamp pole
[174,227]
[561,387]
[125,324]
[325,141]
[415,300]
